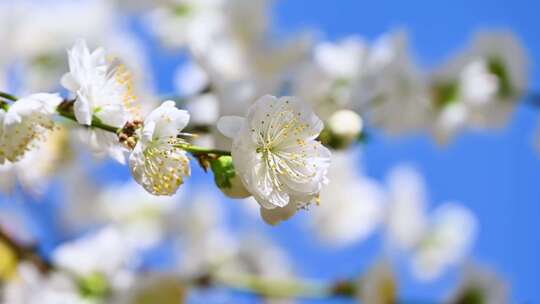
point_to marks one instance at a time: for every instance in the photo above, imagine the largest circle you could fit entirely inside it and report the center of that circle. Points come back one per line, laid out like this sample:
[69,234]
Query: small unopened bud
[227,179]
[94,285]
[342,129]
[345,123]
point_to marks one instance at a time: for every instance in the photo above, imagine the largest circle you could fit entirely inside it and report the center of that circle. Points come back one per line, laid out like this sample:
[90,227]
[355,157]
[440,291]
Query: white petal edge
[278,215]
[230,126]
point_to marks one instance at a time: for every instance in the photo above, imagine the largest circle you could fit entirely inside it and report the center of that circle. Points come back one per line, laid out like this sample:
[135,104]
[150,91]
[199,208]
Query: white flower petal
[114,115]
[157,163]
[169,120]
[82,111]
[277,215]
[230,125]
[68,82]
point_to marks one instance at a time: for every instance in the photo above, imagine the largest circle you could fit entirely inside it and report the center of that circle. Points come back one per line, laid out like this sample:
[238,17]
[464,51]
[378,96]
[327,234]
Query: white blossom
[139,215]
[407,203]
[480,284]
[157,162]
[39,34]
[25,123]
[36,168]
[188,22]
[32,287]
[451,119]
[341,60]
[276,154]
[258,256]
[485,81]
[190,79]
[345,217]
[103,91]
[379,285]
[434,242]
[446,241]
[204,109]
[203,237]
[39,41]
[329,81]
[105,252]
[393,95]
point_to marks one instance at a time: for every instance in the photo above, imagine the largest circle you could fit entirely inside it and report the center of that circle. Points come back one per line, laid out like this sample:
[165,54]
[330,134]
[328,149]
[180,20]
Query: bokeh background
[494,173]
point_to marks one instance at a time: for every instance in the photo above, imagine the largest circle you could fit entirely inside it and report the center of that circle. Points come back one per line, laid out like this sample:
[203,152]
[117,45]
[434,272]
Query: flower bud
[227,179]
[342,129]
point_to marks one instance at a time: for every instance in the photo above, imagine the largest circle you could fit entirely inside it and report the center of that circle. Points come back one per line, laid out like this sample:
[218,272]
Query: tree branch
[65,109]
[23,252]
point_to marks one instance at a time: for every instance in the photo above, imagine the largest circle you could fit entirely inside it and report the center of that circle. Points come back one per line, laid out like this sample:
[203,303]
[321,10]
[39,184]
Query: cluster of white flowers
[481,86]
[347,217]
[434,242]
[275,151]
[283,152]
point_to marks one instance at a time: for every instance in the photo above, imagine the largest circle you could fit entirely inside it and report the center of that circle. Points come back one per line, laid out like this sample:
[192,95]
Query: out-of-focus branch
[273,288]
[25,252]
[8,96]
[246,283]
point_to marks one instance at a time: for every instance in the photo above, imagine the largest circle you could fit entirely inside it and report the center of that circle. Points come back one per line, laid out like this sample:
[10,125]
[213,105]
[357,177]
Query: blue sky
[495,174]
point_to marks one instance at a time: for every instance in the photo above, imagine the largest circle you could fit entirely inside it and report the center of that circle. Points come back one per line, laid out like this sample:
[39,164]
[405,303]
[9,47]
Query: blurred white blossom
[378,285]
[480,285]
[32,287]
[38,39]
[259,256]
[446,241]
[190,79]
[394,95]
[406,214]
[104,252]
[484,81]
[344,217]
[434,242]
[329,82]
[188,22]
[204,239]
[140,216]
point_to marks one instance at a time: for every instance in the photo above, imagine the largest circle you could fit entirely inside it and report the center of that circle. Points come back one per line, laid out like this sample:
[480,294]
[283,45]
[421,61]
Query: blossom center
[282,148]
[165,166]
